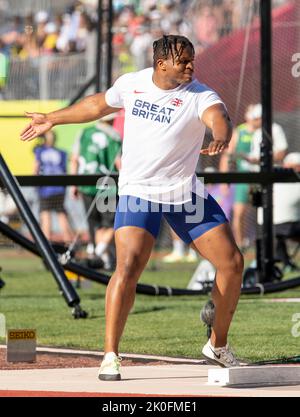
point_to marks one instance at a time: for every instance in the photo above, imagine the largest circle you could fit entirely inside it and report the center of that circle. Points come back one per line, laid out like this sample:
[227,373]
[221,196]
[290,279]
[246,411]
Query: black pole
[266,158]
[109,39]
[99,48]
[43,245]
[282,175]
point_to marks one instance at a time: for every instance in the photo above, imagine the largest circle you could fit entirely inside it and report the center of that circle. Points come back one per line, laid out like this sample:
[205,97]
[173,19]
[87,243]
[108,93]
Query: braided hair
[173,45]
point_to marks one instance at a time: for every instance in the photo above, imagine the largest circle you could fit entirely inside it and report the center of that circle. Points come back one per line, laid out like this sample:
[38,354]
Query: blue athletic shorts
[189,220]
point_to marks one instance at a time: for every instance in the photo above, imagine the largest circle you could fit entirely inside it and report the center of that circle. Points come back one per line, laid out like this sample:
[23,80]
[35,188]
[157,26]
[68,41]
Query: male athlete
[166,113]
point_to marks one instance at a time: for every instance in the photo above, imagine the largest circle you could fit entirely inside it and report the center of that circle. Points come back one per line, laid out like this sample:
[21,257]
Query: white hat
[292,158]
[41,17]
[255,112]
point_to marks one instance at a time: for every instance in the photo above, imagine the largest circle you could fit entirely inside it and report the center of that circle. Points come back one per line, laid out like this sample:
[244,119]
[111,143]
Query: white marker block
[21,345]
[252,376]
[2,325]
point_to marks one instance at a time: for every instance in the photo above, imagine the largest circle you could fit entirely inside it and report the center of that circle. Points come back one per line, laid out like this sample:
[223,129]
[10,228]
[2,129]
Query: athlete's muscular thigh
[133,247]
[218,246]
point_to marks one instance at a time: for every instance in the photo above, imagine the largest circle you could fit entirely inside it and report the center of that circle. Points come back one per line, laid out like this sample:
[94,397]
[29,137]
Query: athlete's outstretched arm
[217,119]
[90,108]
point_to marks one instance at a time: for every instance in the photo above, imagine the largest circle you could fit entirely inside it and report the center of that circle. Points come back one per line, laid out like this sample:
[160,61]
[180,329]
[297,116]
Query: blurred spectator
[30,47]
[97,151]
[12,32]
[49,160]
[286,202]
[90,46]
[179,249]
[223,195]
[41,20]
[3,66]
[279,140]
[65,34]
[49,43]
[286,212]
[234,159]
[136,24]
[205,21]
[170,15]
[126,63]
[206,28]
[85,27]
[7,206]
[141,46]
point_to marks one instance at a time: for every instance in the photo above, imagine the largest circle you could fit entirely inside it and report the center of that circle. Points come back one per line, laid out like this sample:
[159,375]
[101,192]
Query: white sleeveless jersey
[163,135]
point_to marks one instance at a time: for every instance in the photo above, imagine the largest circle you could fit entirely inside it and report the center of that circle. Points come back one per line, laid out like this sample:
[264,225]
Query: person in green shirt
[234,160]
[97,151]
[4,61]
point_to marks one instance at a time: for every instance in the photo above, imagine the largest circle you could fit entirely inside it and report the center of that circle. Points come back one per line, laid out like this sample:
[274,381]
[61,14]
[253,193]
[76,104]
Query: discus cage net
[227,43]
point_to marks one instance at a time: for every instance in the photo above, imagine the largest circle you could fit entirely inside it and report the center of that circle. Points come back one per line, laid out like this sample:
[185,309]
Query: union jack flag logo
[176,102]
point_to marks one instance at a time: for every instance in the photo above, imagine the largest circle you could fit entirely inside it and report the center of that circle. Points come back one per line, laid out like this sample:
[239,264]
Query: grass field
[157,325]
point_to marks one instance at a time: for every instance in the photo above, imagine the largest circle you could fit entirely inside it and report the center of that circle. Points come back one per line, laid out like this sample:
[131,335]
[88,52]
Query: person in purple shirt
[50,160]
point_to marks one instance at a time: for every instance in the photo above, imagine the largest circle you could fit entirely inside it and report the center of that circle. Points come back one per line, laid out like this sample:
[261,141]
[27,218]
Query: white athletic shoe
[90,249]
[110,367]
[191,257]
[173,257]
[221,356]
